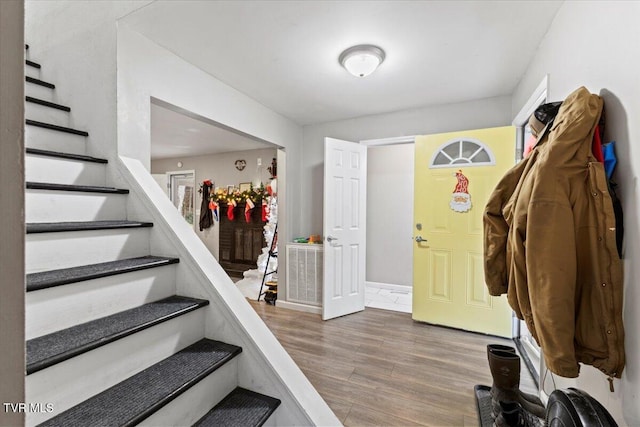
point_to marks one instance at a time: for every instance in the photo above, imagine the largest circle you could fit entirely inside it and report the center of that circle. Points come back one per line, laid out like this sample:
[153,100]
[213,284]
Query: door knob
[331,239]
[420,239]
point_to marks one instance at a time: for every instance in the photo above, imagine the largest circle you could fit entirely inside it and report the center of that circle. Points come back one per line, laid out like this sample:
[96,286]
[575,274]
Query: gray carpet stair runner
[51,278]
[136,398]
[55,227]
[59,346]
[61,155]
[241,407]
[73,187]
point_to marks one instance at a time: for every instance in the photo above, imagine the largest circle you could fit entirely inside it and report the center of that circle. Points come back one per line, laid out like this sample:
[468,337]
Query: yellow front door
[454,175]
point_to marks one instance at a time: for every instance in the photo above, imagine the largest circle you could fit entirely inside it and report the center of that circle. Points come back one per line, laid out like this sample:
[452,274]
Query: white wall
[147,70]
[441,118]
[390,214]
[75,41]
[220,169]
[12,356]
[597,44]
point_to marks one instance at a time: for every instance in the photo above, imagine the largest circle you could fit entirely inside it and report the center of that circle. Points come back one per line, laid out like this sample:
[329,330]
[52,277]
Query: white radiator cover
[304,273]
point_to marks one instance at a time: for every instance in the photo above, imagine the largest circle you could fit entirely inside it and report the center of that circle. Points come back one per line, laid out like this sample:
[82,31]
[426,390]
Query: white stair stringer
[58,206]
[191,405]
[40,168]
[42,113]
[52,251]
[264,366]
[96,298]
[49,139]
[68,383]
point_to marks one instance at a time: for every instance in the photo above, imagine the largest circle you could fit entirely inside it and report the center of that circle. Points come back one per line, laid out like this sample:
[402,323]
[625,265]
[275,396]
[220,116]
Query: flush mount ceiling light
[361,60]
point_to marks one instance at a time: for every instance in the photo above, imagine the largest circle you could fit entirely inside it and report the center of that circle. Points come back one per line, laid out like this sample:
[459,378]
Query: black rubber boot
[499,347]
[505,370]
[512,415]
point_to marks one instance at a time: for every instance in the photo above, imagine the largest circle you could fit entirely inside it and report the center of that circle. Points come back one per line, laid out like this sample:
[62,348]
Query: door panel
[449,286]
[344,227]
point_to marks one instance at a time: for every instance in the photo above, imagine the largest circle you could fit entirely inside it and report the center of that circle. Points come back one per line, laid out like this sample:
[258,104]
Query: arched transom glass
[462,151]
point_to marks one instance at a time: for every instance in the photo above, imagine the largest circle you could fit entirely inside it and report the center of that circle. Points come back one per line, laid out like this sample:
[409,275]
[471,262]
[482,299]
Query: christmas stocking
[214,209]
[247,210]
[264,210]
[230,208]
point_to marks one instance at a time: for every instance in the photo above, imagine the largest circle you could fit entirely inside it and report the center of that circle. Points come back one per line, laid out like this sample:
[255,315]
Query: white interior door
[344,227]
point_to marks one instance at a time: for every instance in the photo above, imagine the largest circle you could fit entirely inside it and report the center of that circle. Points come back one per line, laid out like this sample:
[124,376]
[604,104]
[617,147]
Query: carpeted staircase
[108,340]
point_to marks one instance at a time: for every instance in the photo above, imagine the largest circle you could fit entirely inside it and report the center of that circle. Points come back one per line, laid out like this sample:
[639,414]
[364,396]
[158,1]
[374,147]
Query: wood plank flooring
[380,368]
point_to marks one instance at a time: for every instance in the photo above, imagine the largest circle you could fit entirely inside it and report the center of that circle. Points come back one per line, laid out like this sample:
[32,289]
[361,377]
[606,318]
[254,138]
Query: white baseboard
[299,307]
[393,287]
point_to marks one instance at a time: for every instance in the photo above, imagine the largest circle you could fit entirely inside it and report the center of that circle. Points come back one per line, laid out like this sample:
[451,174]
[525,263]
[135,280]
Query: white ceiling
[284,54]
[176,134]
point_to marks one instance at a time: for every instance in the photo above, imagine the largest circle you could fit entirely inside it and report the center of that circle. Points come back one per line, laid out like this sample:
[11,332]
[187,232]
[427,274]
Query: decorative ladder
[272,254]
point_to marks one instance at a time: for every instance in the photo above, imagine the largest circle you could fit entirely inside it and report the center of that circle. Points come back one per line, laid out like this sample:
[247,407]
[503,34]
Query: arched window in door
[462,152]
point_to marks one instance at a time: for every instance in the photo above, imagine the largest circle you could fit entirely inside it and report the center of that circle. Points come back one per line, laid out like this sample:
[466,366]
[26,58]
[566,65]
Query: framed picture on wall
[230,189]
[245,186]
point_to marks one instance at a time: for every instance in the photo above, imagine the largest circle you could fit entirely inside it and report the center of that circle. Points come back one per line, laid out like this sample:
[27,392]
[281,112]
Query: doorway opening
[182,193]
[214,172]
[389,264]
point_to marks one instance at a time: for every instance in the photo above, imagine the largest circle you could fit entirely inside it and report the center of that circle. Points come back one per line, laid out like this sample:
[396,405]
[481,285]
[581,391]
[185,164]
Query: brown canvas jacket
[550,245]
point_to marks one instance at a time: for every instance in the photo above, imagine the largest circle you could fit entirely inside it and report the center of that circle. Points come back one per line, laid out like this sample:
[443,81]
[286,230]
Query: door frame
[528,353]
[169,174]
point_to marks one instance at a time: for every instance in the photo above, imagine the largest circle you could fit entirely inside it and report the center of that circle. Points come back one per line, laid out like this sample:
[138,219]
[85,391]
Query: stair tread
[39,82]
[32,64]
[241,407]
[74,187]
[51,278]
[46,103]
[59,346]
[56,127]
[52,227]
[134,399]
[62,155]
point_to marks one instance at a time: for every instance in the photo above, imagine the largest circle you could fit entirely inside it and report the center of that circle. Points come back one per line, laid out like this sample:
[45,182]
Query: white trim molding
[410,139]
[299,307]
[390,286]
[537,98]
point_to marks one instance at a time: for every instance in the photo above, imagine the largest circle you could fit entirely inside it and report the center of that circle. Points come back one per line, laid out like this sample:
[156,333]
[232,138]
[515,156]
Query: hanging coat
[550,245]
[206,216]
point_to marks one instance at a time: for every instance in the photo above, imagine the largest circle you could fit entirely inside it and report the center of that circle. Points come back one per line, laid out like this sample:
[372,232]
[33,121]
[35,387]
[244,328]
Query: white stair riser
[40,92]
[93,299]
[52,251]
[32,71]
[47,139]
[45,114]
[58,206]
[70,382]
[63,171]
[190,406]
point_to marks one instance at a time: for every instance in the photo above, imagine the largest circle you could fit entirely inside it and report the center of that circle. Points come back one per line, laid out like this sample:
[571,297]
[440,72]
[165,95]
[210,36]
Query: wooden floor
[380,368]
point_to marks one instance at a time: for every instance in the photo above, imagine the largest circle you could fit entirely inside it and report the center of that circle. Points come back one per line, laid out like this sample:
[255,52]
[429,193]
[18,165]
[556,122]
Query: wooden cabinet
[241,242]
